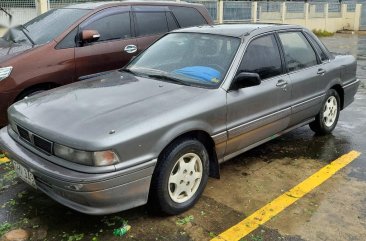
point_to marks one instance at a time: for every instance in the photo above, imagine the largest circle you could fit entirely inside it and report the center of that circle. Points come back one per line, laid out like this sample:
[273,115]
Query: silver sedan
[154,131]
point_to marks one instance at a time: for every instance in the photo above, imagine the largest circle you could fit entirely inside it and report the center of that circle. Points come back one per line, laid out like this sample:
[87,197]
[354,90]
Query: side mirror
[89,36]
[245,79]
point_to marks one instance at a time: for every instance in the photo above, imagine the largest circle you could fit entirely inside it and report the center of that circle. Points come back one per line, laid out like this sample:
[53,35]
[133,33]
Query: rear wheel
[327,119]
[180,177]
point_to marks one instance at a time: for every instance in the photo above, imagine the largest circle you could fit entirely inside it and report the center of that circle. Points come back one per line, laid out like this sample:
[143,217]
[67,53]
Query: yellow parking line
[3,160]
[274,207]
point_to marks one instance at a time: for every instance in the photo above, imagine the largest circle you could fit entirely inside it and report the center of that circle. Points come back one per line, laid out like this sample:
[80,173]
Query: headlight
[101,158]
[5,72]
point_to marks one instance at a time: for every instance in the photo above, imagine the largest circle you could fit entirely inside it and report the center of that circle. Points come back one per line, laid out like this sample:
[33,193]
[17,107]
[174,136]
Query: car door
[115,47]
[151,22]
[309,75]
[258,112]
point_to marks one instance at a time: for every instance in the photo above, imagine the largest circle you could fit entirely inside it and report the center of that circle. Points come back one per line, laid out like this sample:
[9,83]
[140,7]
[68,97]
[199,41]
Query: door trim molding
[256,123]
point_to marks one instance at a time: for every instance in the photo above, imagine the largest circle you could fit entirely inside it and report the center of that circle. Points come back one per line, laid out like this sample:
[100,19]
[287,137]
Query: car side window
[111,27]
[187,16]
[172,24]
[323,56]
[69,41]
[298,52]
[262,56]
[149,23]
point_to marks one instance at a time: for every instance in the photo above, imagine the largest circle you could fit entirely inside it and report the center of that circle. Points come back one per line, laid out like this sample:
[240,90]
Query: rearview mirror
[245,79]
[88,36]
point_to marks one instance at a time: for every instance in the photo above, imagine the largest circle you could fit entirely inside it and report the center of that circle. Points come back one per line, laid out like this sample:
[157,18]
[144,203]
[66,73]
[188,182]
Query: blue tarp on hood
[200,73]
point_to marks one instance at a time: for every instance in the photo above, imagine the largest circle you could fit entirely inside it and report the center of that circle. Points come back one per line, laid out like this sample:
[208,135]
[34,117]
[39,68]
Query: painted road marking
[277,205]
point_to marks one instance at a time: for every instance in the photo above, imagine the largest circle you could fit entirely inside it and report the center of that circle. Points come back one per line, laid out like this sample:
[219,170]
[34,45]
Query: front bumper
[88,193]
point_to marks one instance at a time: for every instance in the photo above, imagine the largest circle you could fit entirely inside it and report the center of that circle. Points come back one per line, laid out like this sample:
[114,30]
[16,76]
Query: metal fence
[269,11]
[295,10]
[20,10]
[237,11]
[232,11]
[334,10]
[316,10]
[63,3]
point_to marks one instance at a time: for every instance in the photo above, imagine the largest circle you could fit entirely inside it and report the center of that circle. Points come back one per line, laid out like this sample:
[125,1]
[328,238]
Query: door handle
[321,71]
[282,84]
[130,49]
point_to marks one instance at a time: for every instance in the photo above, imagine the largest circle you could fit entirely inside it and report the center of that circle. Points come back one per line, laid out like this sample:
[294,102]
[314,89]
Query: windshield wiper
[168,78]
[22,28]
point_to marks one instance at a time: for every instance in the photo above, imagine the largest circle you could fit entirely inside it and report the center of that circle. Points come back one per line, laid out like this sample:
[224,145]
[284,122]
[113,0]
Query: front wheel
[179,178]
[327,118]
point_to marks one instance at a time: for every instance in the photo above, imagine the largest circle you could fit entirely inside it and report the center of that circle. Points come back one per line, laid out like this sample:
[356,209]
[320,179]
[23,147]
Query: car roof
[237,30]
[97,5]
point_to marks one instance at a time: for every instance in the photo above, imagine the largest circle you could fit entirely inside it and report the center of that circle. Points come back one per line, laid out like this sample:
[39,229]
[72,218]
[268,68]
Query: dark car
[155,130]
[61,45]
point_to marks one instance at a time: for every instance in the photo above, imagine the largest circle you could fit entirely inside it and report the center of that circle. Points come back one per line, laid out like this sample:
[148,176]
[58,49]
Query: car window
[262,56]
[318,49]
[111,27]
[298,52]
[172,24]
[190,58]
[69,40]
[47,26]
[151,23]
[188,16]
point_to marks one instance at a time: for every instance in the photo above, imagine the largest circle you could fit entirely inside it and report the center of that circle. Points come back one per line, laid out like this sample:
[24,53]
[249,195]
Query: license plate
[24,174]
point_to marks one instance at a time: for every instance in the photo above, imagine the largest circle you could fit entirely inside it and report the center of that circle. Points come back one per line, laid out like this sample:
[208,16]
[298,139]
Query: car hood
[93,108]
[9,49]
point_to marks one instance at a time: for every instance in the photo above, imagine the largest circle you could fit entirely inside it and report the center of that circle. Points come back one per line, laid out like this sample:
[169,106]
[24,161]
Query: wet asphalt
[336,210]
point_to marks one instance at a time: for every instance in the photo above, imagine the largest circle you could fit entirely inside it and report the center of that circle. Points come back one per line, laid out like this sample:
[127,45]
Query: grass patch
[322,33]
[4,228]
[185,220]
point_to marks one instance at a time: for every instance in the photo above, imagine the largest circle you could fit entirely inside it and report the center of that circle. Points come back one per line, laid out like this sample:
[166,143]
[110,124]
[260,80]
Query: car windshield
[45,27]
[187,58]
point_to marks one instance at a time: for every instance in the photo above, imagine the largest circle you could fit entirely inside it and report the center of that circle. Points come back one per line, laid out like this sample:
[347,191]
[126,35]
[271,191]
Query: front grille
[42,144]
[36,141]
[24,133]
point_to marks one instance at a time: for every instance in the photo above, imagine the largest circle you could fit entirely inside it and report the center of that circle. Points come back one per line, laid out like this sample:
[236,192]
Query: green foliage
[72,237]
[185,220]
[113,221]
[9,176]
[322,33]
[4,228]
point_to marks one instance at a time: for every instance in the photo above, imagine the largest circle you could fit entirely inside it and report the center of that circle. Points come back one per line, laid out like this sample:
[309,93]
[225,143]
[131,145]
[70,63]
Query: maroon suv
[62,45]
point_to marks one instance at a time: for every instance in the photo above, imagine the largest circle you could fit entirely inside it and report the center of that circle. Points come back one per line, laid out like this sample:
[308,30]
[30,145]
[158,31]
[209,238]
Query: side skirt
[234,154]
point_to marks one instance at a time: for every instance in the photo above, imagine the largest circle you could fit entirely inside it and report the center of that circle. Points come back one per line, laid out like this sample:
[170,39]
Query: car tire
[179,178]
[327,118]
